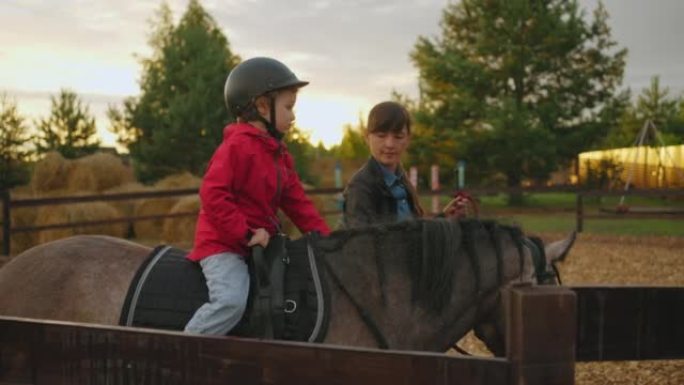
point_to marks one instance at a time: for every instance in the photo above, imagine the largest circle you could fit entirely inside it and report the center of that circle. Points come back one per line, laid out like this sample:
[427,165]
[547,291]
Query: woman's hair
[393,117]
[388,117]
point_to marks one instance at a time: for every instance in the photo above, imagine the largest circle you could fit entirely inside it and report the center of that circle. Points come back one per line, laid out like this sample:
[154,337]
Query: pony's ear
[557,251]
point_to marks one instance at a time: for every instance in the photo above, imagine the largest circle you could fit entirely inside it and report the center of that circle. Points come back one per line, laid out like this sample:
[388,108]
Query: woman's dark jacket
[368,200]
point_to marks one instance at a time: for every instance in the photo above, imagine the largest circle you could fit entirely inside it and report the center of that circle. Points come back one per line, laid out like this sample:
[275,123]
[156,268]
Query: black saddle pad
[168,289]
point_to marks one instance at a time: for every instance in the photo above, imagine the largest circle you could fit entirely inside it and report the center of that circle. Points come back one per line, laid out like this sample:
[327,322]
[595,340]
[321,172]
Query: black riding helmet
[253,78]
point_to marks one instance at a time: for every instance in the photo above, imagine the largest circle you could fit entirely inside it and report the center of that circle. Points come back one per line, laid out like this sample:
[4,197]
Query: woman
[379,192]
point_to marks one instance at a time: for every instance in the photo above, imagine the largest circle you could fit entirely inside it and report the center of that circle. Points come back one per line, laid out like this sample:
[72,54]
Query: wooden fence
[626,212]
[548,330]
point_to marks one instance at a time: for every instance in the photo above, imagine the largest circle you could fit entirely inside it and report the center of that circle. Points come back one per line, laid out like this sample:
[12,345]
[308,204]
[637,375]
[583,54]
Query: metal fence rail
[9,203]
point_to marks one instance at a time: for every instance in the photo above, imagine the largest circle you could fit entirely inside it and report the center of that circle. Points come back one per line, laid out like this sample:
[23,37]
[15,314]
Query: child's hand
[260,237]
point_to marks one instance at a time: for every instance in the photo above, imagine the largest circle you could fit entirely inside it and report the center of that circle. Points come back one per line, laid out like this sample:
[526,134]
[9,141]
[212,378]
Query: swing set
[648,134]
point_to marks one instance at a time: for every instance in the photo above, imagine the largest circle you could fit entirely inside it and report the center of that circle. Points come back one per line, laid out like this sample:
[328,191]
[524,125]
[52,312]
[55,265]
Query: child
[250,176]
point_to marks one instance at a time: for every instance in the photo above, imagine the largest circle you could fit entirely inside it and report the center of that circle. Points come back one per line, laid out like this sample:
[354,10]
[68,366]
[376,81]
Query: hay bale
[92,173]
[181,231]
[178,181]
[50,173]
[126,207]
[151,229]
[81,178]
[99,172]
[91,211]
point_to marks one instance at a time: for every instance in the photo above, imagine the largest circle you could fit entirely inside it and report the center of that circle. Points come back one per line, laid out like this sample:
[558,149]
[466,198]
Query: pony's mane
[431,248]
[443,242]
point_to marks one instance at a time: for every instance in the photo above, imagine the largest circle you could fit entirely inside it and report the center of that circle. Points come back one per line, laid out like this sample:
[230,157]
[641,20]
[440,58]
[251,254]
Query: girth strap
[268,316]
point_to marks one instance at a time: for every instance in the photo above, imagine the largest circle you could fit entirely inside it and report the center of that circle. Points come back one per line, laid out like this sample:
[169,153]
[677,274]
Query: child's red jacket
[248,178]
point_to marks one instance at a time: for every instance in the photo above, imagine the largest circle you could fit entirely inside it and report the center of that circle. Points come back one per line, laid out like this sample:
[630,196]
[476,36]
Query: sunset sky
[354,52]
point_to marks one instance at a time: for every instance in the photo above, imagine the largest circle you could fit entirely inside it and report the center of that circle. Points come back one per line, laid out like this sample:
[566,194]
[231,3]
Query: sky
[354,52]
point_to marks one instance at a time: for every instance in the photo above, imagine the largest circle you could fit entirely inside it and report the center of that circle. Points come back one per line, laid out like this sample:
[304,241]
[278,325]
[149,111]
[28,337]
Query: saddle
[288,296]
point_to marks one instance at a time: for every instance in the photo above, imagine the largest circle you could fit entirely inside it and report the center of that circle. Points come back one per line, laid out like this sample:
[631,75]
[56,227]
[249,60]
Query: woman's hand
[260,237]
[461,206]
[456,208]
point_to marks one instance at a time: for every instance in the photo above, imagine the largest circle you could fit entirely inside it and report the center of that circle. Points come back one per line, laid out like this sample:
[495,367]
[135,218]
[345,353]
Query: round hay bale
[178,181]
[92,173]
[90,211]
[126,207]
[81,178]
[99,172]
[180,231]
[50,173]
[151,229]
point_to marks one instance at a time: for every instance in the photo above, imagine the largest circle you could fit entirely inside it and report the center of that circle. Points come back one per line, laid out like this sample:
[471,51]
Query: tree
[520,85]
[14,145]
[176,122]
[303,152]
[69,129]
[654,104]
[353,144]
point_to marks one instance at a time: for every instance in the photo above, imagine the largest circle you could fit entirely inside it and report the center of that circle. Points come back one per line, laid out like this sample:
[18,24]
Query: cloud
[354,50]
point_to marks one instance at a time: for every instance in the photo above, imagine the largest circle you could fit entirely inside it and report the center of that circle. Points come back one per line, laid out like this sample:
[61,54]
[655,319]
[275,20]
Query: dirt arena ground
[620,260]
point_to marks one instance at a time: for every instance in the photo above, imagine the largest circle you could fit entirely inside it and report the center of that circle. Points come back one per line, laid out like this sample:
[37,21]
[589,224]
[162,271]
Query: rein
[365,316]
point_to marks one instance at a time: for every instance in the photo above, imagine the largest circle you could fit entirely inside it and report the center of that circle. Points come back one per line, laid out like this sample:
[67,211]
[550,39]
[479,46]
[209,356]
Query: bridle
[541,271]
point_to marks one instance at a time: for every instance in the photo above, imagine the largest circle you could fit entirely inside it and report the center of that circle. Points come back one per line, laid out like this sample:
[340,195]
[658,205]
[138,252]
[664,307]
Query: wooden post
[580,213]
[413,176]
[6,222]
[540,334]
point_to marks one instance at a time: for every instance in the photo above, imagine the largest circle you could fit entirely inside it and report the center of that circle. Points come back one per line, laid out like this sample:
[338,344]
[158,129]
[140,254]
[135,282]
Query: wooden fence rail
[48,352]
[548,330]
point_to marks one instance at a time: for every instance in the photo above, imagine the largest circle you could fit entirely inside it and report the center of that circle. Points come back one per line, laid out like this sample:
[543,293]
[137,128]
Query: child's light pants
[228,282]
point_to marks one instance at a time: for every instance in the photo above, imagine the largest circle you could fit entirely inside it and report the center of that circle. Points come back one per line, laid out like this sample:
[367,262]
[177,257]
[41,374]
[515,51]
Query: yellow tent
[640,166]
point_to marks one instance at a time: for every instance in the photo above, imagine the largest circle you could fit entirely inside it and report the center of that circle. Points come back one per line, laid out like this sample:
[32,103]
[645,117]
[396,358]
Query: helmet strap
[270,125]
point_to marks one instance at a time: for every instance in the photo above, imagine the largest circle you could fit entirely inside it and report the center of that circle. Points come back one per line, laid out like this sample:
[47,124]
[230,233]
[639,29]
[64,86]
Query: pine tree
[69,129]
[521,85]
[15,149]
[177,121]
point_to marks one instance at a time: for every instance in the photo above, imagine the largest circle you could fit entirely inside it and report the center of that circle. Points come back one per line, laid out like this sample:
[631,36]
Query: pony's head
[491,328]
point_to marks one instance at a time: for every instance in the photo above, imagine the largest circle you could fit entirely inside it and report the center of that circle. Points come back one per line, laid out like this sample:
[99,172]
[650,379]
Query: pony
[414,285]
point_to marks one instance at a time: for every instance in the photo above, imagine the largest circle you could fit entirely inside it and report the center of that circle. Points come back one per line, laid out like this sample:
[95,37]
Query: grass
[555,212]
